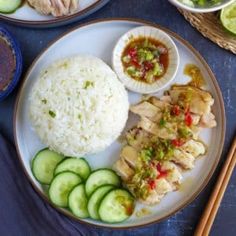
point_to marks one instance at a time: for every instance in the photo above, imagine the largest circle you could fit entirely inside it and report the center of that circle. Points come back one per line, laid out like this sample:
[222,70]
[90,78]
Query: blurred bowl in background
[201,9]
[10,63]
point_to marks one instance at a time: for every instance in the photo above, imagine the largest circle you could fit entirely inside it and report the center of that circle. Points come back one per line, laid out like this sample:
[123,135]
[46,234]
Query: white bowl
[216,7]
[138,86]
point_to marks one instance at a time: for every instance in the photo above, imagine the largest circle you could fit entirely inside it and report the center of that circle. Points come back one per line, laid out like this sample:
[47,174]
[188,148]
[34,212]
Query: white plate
[89,39]
[28,16]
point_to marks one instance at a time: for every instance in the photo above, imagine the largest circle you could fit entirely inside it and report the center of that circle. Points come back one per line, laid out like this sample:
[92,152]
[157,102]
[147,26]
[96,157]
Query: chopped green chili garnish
[88,84]
[52,114]
[162,123]
[44,101]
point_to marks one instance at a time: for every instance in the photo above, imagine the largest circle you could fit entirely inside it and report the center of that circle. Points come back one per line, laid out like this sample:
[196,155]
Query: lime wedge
[228,17]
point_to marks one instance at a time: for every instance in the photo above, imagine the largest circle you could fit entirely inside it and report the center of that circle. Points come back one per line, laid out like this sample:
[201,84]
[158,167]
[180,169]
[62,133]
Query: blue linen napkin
[22,211]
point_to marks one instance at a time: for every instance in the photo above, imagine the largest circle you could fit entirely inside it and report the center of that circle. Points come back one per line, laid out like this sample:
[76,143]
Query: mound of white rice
[78,106]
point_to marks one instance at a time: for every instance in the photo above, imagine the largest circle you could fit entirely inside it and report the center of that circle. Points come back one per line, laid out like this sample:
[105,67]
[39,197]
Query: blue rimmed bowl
[14,46]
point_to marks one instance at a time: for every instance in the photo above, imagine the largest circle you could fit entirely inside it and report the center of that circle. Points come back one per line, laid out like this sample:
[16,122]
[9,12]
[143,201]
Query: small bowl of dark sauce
[10,63]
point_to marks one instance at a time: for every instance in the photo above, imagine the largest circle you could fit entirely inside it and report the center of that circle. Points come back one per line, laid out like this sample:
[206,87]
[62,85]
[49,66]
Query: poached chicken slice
[155,195]
[167,132]
[174,175]
[208,120]
[158,103]
[146,109]
[123,169]
[130,155]
[199,101]
[137,138]
[195,148]
[183,159]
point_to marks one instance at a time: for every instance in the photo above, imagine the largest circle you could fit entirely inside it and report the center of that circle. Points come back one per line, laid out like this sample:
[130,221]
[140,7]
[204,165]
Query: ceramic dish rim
[122,75]
[195,52]
[179,4]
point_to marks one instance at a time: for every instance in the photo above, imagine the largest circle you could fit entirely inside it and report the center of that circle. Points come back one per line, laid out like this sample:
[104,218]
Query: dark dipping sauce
[145,59]
[7,63]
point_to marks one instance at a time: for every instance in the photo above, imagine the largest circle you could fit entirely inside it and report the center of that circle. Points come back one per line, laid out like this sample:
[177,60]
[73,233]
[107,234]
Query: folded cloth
[22,211]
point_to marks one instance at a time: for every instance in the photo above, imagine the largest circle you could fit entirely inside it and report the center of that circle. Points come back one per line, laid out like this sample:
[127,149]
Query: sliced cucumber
[78,201]
[99,178]
[61,186]
[9,6]
[43,165]
[95,199]
[78,166]
[116,206]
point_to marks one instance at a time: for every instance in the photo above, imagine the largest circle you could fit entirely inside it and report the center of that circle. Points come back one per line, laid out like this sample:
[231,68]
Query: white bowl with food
[145,59]
[201,6]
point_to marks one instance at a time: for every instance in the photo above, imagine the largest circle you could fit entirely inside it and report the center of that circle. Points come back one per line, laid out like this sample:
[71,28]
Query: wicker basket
[208,24]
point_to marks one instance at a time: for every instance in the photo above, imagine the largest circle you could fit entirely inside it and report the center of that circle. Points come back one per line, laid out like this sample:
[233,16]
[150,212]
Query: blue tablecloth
[23,212]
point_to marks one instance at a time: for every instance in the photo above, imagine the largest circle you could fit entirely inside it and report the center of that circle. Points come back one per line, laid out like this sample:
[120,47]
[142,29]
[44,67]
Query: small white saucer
[138,86]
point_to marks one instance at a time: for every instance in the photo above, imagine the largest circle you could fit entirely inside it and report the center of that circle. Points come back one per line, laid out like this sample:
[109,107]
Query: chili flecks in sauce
[145,59]
[149,166]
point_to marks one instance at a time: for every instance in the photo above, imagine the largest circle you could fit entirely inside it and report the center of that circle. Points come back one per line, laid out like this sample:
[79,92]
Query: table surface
[222,63]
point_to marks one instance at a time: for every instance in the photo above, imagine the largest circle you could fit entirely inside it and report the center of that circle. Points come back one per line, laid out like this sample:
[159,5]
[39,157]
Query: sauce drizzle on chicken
[195,74]
[165,141]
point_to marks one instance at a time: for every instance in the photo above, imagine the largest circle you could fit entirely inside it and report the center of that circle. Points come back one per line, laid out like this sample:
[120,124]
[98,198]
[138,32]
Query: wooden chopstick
[208,216]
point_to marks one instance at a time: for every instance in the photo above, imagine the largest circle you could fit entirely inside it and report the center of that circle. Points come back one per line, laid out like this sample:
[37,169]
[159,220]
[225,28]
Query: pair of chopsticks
[209,214]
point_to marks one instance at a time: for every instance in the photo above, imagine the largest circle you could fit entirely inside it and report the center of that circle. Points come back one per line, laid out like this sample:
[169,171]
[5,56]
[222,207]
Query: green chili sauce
[145,59]
[157,150]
